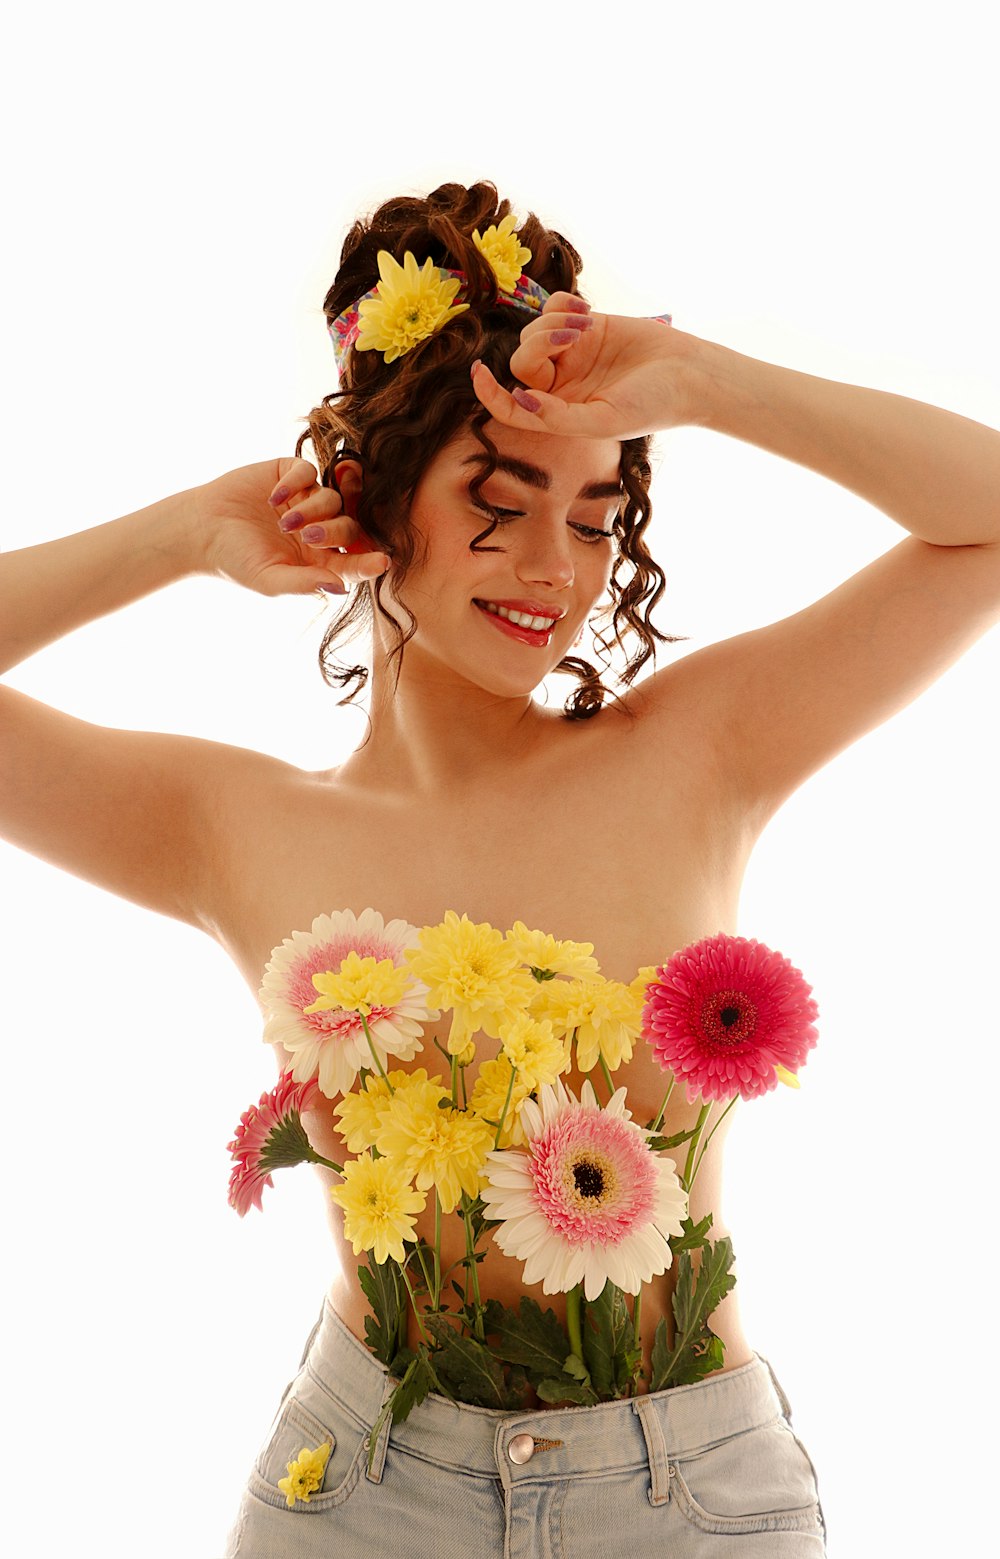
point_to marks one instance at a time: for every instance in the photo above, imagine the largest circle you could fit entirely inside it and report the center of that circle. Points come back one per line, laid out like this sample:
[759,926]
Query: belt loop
[382,1444]
[786,1406]
[656,1446]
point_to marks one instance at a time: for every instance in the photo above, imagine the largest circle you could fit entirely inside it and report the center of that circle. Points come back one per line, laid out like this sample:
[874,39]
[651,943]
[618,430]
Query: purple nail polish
[292,521]
[314,533]
[280,495]
[526,400]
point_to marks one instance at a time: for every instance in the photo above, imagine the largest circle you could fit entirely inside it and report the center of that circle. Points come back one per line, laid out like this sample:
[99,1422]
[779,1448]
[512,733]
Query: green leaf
[607,1329]
[695,1235]
[409,1393]
[468,1365]
[661,1144]
[530,1337]
[697,1351]
[380,1282]
[561,1388]
[574,1365]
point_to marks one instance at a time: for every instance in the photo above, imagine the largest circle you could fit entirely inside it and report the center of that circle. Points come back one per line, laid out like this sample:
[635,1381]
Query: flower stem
[573,1320]
[437,1249]
[503,1112]
[607,1075]
[312,1157]
[636,1315]
[659,1119]
[454,1081]
[473,1266]
[371,1047]
[703,1116]
[413,1301]
[711,1134]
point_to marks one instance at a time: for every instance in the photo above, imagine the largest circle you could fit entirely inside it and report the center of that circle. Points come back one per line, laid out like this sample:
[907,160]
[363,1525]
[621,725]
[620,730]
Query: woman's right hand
[244,537]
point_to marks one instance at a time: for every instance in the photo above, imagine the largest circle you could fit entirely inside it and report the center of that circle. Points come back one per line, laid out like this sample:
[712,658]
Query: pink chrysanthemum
[589,1202]
[270,1135]
[331,1045]
[723,1013]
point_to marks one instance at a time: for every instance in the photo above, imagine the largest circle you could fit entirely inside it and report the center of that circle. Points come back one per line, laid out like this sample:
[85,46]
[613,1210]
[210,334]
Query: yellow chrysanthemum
[305,1474]
[378,1202]
[606,1014]
[538,1054]
[642,979]
[411,305]
[441,1148]
[363,983]
[472,971]
[540,951]
[490,1094]
[504,251]
[361,1113]
[789,1079]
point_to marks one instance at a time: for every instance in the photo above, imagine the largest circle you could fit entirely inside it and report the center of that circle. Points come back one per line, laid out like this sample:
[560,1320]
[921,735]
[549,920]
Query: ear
[349,477]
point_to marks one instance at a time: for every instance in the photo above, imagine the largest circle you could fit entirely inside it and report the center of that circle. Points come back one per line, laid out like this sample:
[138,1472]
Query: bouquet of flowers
[574,1188]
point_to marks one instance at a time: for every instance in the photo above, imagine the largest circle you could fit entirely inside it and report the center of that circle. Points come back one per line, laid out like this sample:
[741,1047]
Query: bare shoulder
[147,815]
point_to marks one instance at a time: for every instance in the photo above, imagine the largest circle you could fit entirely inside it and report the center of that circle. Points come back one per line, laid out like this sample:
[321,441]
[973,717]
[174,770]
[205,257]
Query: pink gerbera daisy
[589,1201]
[332,1044]
[725,1013]
[270,1135]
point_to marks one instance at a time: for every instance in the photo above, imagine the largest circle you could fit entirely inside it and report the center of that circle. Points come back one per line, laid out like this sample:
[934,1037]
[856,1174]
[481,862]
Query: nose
[545,559]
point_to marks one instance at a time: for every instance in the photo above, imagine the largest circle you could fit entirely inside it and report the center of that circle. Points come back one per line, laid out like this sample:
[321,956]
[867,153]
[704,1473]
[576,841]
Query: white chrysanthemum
[331,1045]
[588,1201]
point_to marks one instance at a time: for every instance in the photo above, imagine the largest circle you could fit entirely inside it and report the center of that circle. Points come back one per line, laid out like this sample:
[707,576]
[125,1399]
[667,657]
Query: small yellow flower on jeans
[305,1474]
[503,249]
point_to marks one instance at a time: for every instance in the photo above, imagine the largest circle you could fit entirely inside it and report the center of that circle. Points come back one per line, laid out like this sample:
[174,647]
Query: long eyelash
[588,531]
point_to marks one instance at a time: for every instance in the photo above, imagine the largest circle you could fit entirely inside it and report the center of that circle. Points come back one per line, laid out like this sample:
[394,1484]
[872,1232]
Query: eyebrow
[537,476]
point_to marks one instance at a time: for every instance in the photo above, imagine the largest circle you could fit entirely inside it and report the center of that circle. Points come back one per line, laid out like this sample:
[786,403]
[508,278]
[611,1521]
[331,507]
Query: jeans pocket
[309,1418]
[759,1481]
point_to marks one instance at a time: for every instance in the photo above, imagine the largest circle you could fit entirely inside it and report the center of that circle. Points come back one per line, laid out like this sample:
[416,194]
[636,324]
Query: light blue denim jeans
[693,1472]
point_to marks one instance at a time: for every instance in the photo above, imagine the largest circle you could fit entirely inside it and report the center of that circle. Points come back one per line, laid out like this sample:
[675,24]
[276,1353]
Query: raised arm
[143,814]
[786,698]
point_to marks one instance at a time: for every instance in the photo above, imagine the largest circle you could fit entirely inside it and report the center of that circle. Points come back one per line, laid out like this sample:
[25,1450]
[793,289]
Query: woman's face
[559,497]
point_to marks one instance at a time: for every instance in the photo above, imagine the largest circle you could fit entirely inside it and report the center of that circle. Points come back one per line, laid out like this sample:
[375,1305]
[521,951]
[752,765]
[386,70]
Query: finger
[563,302]
[299,476]
[532,410]
[324,504]
[533,361]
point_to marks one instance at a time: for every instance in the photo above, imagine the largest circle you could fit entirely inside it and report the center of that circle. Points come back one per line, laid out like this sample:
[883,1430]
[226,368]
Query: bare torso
[608,837]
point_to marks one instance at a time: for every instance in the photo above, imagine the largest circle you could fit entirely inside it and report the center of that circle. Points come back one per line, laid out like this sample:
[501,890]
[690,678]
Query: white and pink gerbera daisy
[331,1045]
[588,1201]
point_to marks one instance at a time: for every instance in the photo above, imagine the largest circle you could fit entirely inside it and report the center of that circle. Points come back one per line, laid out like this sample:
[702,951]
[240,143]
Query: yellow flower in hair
[504,251]
[305,1474]
[411,305]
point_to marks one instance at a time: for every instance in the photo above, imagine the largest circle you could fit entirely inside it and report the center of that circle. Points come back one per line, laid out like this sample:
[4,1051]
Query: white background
[815,187]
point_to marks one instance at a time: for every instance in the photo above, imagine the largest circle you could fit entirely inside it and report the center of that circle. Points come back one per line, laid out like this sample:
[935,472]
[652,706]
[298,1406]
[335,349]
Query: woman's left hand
[591,375]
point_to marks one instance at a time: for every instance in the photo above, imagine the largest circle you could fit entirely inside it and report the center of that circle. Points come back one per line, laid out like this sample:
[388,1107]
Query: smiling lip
[530,608]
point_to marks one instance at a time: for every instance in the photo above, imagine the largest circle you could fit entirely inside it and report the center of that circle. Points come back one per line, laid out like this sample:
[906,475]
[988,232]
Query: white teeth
[521,618]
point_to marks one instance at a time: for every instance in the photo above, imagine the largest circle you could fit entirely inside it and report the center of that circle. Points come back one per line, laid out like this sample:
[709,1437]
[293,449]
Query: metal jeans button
[521,1449]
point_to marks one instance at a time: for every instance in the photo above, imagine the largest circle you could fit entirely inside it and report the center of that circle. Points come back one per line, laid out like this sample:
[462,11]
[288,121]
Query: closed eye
[504,517]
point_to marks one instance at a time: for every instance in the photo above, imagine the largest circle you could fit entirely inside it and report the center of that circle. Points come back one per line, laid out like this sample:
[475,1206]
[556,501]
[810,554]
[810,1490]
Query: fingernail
[314,533]
[476,364]
[280,495]
[292,521]
[578,306]
[332,589]
[526,400]
[561,337]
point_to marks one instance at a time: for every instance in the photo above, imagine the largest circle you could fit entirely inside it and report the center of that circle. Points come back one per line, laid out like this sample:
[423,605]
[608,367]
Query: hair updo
[395,418]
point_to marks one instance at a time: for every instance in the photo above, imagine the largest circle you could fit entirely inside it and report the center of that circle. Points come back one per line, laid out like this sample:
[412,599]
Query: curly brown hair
[395,418]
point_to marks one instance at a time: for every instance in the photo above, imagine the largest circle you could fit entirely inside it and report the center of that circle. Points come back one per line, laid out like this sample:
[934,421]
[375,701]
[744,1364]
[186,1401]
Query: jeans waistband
[564,1442]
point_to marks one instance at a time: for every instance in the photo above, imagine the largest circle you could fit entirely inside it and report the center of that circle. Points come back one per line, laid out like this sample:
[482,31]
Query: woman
[490,447]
